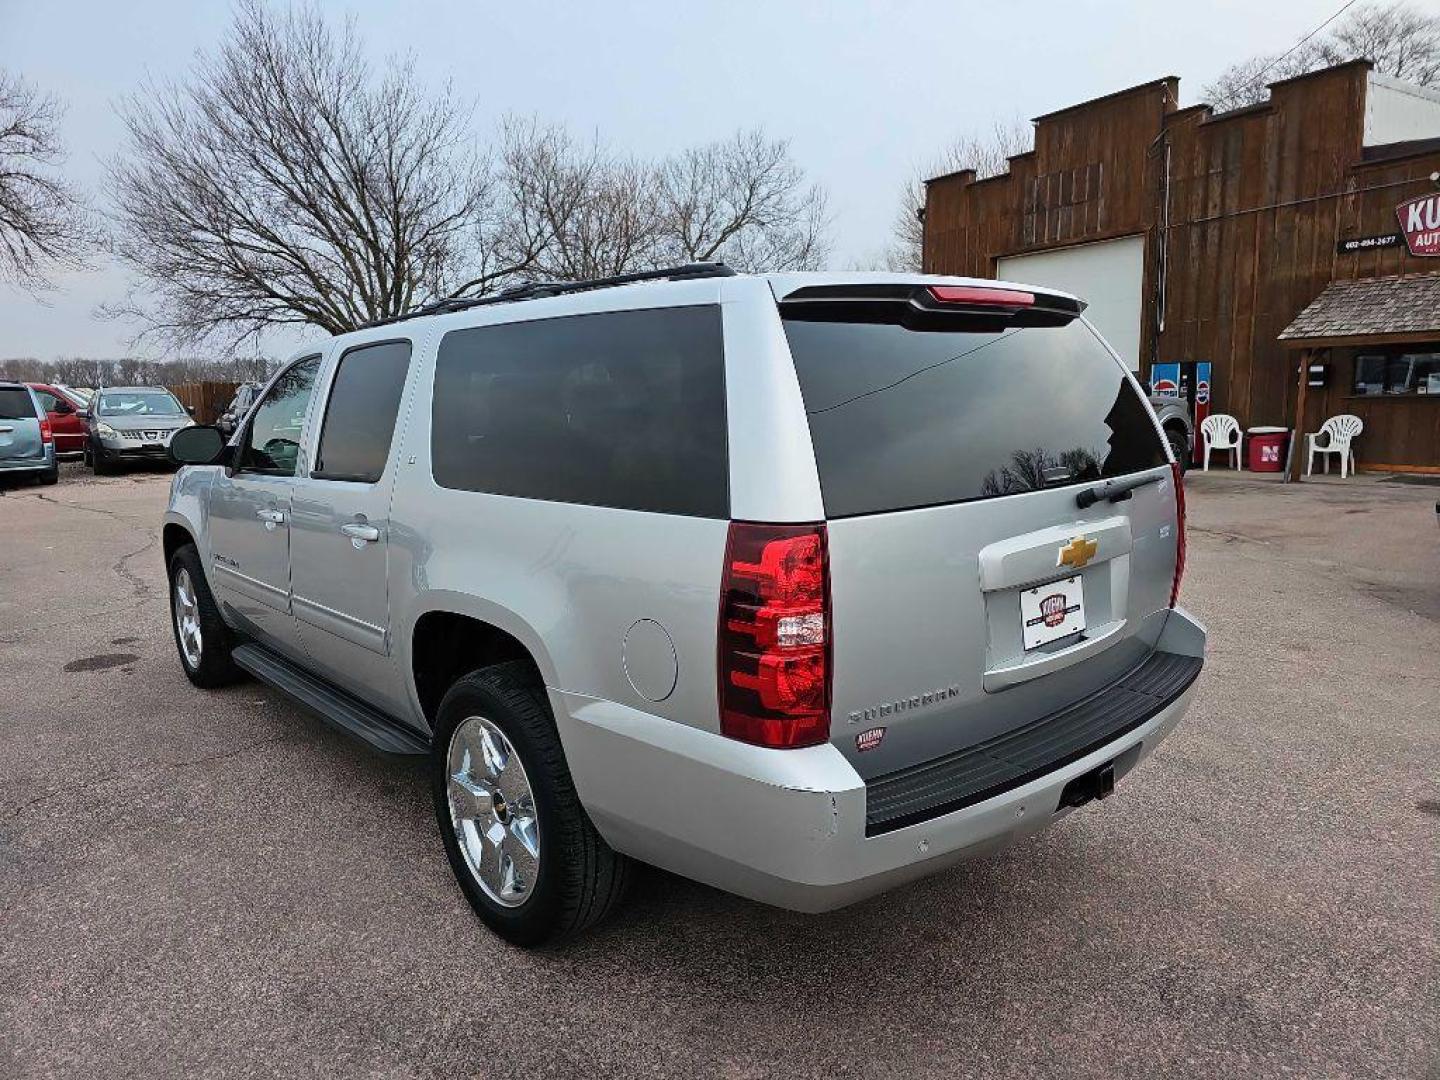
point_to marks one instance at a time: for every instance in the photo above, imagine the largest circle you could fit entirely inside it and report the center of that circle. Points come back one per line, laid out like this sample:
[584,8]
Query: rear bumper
[788,827]
[29,465]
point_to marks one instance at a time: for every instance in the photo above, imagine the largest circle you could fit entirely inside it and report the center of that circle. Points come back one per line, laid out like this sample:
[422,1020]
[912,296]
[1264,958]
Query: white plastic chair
[1338,431]
[1220,431]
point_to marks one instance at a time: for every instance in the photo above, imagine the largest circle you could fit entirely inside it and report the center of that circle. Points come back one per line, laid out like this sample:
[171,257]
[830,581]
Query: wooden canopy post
[1292,464]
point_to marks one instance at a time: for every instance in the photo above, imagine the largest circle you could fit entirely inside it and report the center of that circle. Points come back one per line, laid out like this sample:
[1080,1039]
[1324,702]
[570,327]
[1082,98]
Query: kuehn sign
[1420,222]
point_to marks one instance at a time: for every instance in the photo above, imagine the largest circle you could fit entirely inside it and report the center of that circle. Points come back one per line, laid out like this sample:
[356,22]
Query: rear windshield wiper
[1114,490]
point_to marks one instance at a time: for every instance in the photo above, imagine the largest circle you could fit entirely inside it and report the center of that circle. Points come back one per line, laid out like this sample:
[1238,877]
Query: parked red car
[63,407]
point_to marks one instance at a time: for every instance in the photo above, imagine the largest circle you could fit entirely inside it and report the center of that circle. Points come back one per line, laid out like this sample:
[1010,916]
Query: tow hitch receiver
[1098,783]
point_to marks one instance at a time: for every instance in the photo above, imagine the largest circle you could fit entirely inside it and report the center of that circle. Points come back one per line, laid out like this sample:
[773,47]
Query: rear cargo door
[19,427]
[971,591]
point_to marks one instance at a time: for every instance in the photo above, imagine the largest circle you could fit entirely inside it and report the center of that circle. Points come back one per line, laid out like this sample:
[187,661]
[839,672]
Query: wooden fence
[208,399]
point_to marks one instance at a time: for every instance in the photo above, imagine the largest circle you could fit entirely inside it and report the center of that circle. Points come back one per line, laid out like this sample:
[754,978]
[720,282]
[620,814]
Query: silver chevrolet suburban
[801,585]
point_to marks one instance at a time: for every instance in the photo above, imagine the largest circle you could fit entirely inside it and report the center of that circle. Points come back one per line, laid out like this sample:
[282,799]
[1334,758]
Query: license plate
[1053,611]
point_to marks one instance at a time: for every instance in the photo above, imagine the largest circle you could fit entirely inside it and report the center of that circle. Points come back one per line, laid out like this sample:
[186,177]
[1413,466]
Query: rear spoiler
[933,307]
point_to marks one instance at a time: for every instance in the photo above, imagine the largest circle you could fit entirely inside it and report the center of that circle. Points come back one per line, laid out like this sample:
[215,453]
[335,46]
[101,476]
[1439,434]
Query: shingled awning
[1370,311]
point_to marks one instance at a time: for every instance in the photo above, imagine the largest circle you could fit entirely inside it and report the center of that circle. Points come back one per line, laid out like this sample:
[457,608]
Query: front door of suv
[250,511]
[340,528]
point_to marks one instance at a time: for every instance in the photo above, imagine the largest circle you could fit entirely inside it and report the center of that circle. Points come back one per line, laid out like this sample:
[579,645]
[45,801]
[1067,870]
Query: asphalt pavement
[218,885]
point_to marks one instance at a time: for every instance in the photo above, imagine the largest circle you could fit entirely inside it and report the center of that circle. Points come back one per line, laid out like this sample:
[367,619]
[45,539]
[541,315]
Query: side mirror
[190,409]
[200,445]
[63,408]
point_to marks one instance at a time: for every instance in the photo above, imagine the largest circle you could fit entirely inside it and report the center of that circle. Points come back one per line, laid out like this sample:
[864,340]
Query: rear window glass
[903,418]
[623,409]
[15,404]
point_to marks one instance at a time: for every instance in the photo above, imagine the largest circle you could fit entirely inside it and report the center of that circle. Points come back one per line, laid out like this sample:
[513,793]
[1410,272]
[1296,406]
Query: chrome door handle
[356,531]
[6,430]
[271,517]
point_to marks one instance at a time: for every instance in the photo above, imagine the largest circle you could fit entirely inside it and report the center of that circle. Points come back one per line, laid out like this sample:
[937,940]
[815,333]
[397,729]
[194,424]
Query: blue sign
[1165,379]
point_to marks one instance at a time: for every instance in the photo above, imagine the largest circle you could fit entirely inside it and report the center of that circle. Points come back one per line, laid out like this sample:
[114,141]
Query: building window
[1397,372]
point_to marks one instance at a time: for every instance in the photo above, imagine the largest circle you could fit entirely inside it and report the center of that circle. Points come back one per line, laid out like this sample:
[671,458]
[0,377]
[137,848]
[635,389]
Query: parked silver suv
[802,585]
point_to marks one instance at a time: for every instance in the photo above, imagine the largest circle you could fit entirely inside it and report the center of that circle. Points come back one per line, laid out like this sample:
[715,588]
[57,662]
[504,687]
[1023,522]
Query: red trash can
[1267,448]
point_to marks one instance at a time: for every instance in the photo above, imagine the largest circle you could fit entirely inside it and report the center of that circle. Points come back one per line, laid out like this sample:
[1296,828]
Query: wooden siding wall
[1088,178]
[208,399]
[1258,201]
[1401,430]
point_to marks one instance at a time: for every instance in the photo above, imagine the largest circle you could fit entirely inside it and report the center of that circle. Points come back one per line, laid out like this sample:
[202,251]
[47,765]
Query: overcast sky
[867,92]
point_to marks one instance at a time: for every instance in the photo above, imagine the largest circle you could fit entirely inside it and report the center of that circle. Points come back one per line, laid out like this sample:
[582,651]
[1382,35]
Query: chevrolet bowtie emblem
[1077,552]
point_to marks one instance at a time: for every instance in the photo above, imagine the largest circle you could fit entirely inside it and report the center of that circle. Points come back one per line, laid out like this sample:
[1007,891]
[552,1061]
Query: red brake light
[1180,527]
[974,294]
[774,654]
[47,435]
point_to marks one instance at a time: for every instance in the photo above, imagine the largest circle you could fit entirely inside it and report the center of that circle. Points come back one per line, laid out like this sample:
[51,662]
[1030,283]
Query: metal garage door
[1107,276]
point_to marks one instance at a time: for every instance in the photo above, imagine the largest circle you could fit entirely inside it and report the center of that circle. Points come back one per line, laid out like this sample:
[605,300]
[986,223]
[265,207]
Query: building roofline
[1184,114]
[990,179]
[949,176]
[1425,93]
[1239,113]
[1359,62]
[1163,83]
[1386,153]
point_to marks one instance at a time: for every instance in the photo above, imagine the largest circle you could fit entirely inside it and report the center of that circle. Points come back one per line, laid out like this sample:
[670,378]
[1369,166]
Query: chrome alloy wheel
[187,618]
[492,810]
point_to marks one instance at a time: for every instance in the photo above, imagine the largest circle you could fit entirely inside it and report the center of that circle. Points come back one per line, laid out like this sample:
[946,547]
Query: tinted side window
[272,445]
[360,419]
[15,404]
[623,409]
[48,401]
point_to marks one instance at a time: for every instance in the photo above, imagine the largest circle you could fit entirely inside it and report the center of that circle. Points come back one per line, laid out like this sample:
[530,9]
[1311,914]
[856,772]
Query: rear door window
[15,404]
[360,418]
[622,409]
[903,418]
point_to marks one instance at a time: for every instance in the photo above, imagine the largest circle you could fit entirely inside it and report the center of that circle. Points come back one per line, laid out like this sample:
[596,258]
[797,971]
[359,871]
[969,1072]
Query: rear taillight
[47,436]
[1179,531]
[975,294]
[774,662]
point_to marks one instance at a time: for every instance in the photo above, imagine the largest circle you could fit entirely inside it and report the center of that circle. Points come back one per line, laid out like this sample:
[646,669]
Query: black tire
[1179,446]
[215,668]
[580,879]
[51,477]
[100,463]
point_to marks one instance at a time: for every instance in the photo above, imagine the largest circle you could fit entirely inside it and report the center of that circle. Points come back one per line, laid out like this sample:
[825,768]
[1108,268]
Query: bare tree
[742,201]
[44,224]
[988,154]
[579,210]
[1245,83]
[1401,41]
[89,371]
[564,209]
[570,210]
[287,184]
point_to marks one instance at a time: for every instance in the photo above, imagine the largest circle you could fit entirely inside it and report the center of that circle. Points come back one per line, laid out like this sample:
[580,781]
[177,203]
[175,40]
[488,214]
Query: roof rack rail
[533,290]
